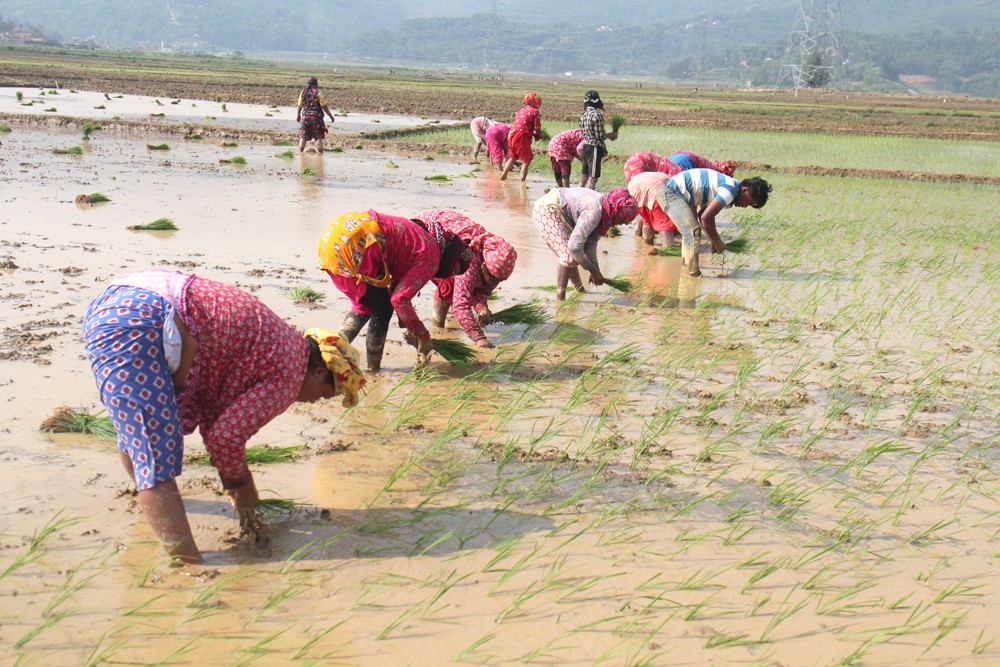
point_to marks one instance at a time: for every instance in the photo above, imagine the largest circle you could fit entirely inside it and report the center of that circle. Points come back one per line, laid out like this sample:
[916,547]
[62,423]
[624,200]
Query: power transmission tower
[816,54]
[491,44]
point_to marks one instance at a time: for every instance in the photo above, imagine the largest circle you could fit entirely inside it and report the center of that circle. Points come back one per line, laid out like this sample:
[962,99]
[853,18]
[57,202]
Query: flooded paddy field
[790,460]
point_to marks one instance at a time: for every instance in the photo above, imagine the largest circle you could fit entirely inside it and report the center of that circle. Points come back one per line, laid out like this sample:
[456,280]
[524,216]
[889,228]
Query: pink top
[527,121]
[248,368]
[647,161]
[412,256]
[496,141]
[564,145]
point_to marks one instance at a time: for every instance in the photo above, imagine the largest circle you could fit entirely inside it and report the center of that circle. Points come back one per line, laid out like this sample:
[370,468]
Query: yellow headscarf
[343,361]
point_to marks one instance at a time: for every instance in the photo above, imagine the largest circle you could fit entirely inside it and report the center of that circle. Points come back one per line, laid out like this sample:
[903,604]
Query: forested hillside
[952,46]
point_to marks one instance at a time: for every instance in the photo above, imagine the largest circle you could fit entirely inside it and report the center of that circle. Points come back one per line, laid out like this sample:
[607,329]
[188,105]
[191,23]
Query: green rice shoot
[305,295]
[4,128]
[621,284]
[389,164]
[454,351]
[438,178]
[669,251]
[68,420]
[530,313]
[334,149]
[157,147]
[256,455]
[99,198]
[287,155]
[89,128]
[739,245]
[158,115]
[229,144]
[308,171]
[158,225]
[236,159]
[274,506]
[72,150]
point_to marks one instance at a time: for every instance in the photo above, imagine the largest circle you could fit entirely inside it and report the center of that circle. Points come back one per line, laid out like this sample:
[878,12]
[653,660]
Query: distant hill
[952,45]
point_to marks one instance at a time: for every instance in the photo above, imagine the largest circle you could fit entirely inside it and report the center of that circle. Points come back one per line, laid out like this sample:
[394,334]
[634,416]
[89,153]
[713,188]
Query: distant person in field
[562,149]
[527,126]
[572,220]
[172,352]
[594,135]
[310,114]
[479,126]
[496,144]
[694,197]
[466,293]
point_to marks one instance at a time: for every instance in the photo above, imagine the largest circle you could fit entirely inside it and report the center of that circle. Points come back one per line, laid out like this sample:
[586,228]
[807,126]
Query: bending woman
[172,352]
[496,144]
[572,220]
[380,262]
[562,149]
[673,165]
[492,261]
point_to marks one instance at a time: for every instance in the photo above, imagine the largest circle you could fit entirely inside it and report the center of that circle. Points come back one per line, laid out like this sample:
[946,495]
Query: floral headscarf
[343,361]
[499,257]
[619,208]
[727,168]
[533,100]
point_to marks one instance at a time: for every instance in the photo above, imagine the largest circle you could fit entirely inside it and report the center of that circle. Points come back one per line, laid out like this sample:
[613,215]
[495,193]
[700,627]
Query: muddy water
[454,517]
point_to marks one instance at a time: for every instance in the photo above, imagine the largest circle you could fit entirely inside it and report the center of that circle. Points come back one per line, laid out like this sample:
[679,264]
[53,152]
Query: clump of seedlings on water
[236,159]
[158,225]
[65,419]
[305,295]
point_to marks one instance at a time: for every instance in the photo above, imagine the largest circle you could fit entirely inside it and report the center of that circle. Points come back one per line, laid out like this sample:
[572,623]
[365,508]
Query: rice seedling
[236,159]
[158,115]
[286,155]
[4,128]
[157,147]
[454,351]
[531,314]
[224,107]
[438,178]
[67,420]
[72,150]
[158,225]
[195,137]
[228,144]
[19,95]
[158,102]
[89,128]
[738,245]
[618,121]
[308,171]
[51,110]
[106,96]
[359,147]
[256,455]
[305,295]
[389,164]
[218,98]
[668,251]
[624,285]
[334,149]
[284,142]
[276,506]
[38,542]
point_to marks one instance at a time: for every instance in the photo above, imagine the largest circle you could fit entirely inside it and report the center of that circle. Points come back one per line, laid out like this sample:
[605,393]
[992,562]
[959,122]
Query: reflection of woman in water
[492,261]
[572,220]
[310,114]
[380,262]
[172,352]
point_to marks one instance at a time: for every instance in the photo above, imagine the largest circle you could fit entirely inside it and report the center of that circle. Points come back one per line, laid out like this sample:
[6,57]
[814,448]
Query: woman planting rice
[491,263]
[527,126]
[675,164]
[380,262]
[496,144]
[644,187]
[562,149]
[572,220]
[694,197]
[310,112]
[479,126]
[172,352]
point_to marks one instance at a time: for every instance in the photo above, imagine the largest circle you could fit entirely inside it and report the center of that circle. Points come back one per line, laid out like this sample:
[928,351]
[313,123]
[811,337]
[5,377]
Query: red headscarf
[533,100]
[619,208]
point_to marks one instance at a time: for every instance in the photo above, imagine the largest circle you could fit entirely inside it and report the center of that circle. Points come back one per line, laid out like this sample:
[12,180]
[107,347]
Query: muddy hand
[252,525]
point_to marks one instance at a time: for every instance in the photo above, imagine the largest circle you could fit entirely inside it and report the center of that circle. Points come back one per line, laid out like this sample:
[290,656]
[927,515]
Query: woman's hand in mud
[244,497]
[718,245]
[596,278]
[424,346]
[484,343]
[484,318]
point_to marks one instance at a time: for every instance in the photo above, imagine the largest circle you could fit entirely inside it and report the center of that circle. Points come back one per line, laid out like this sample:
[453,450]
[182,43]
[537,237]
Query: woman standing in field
[310,112]
[694,197]
[676,163]
[527,126]
[172,352]
[562,149]
[492,261]
[572,220]
[380,262]
[496,144]
[479,126]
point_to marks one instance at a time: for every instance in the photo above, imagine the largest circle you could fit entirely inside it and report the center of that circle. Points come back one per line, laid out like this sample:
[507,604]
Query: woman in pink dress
[496,144]
[563,148]
[466,293]
[527,126]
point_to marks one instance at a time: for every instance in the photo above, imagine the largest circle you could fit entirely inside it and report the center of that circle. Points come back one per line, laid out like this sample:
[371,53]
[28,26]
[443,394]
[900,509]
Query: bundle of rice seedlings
[621,284]
[175,101]
[359,147]
[19,95]
[158,225]
[283,142]
[98,198]
[158,102]
[224,107]
[287,155]
[73,150]
[209,117]
[669,251]
[218,98]
[335,149]
[158,115]
[67,420]
[195,136]
[4,128]
[618,121]
[51,109]
[228,144]
[389,164]
[106,96]
[100,106]
[739,245]
[236,159]
[274,506]
[305,295]
[258,454]
[157,147]
[615,231]
[530,313]
[308,171]
[439,178]
[545,135]
[454,351]
[89,128]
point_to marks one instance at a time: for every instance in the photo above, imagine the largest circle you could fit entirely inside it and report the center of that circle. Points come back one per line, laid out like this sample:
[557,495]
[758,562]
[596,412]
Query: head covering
[619,208]
[727,168]
[499,257]
[592,100]
[342,360]
[533,100]
[313,81]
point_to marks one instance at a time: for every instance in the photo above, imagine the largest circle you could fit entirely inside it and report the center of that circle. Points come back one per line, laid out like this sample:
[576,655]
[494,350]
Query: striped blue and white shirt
[700,186]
